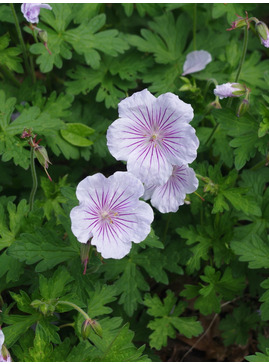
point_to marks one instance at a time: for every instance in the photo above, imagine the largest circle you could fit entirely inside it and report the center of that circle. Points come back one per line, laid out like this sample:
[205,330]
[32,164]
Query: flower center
[155,137]
[108,216]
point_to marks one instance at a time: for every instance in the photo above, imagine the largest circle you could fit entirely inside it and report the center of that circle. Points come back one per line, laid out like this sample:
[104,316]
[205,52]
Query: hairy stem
[244,51]
[34,177]
[84,314]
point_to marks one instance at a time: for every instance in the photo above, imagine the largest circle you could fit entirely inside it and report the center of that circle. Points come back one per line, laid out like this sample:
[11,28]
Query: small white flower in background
[153,134]
[111,213]
[230,90]
[4,354]
[196,61]
[171,195]
[31,11]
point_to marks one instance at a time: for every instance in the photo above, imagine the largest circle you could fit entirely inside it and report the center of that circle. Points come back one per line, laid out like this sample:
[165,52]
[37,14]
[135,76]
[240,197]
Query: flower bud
[89,325]
[86,329]
[42,156]
[97,328]
[43,35]
[230,90]
[46,308]
[242,108]
[84,254]
[5,355]
[263,32]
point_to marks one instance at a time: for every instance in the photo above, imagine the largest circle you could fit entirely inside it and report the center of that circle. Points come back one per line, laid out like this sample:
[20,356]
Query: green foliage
[215,289]
[9,56]
[236,326]
[259,357]
[212,253]
[166,320]
[87,39]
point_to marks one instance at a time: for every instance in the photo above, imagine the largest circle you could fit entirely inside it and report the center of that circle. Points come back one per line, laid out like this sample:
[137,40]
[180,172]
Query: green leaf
[247,204]
[16,219]
[86,39]
[76,134]
[236,326]
[86,42]
[99,297]
[42,349]
[56,285]
[166,320]
[130,285]
[244,131]
[9,56]
[122,349]
[110,88]
[265,299]
[42,247]
[18,326]
[259,357]
[167,38]
[17,267]
[253,250]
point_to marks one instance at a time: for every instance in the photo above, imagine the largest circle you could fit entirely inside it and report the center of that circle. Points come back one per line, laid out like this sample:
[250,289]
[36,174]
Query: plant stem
[24,51]
[194,26]
[34,177]
[166,227]
[8,74]
[212,133]
[245,45]
[259,165]
[67,325]
[244,51]
[75,307]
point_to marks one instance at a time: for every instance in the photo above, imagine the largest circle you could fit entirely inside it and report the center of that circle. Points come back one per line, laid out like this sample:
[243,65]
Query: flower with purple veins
[110,213]
[171,195]
[31,11]
[196,61]
[153,134]
[229,90]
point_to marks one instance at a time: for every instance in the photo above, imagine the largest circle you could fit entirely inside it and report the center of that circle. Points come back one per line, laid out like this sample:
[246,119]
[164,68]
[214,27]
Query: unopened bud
[43,35]
[42,156]
[242,108]
[46,308]
[97,328]
[86,329]
[229,89]
[263,32]
[5,355]
[89,325]
[84,254]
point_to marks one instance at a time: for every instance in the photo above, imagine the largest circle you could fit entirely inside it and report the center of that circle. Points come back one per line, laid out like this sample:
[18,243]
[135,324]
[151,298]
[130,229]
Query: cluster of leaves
[209,258]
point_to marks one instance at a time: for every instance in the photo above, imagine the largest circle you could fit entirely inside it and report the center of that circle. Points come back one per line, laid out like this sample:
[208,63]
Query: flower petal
[87,187]
[2,339]
[149,165]
[169,197]
[137,104]
[80,223]
[169,104]
[196,61]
